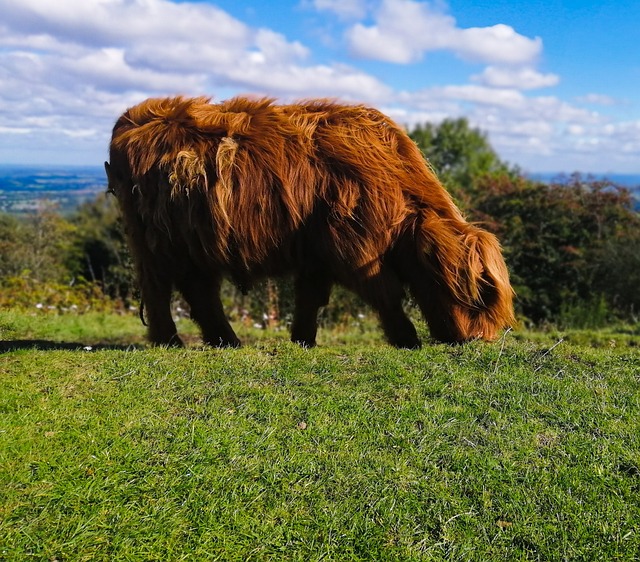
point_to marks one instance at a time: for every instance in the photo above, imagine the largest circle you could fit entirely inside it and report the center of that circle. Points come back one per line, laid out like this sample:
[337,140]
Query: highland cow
[326,192]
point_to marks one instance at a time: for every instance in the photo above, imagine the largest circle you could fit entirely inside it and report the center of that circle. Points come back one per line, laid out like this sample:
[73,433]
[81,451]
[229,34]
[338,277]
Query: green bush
[37,243]
[26,293]
[98,251]
[568,244]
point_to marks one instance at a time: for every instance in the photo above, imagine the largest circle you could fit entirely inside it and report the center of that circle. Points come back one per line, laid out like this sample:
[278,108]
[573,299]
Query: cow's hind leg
[312,292]
[156,296]
[202,293]
[385,293]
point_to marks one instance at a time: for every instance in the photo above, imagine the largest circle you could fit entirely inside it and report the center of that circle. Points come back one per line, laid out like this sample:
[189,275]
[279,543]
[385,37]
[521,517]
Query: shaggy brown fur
[329,192]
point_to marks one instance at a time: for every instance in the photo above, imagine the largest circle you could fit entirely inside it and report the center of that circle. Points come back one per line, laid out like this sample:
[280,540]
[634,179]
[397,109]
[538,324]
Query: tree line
[572,245]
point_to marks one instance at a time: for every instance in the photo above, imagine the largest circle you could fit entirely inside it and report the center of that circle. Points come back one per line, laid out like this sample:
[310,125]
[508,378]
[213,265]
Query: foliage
[567,244]
[512,451]
[63,262]
[34,245]
[26,293]
[11,239]
[459,154]
[99,252]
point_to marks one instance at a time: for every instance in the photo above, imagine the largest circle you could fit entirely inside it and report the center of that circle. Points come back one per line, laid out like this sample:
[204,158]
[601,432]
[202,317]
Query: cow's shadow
[48,345]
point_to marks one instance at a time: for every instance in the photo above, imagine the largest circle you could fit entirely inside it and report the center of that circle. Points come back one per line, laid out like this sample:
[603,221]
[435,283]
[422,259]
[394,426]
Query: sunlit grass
[350,451]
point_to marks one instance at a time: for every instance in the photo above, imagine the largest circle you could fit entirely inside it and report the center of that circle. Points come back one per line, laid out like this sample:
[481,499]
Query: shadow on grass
[15,345]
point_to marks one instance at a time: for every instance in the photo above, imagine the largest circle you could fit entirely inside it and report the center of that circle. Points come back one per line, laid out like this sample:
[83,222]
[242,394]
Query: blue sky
[554,84]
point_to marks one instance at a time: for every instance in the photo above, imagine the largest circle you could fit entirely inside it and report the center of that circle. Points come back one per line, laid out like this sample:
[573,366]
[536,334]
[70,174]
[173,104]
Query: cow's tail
[141,313]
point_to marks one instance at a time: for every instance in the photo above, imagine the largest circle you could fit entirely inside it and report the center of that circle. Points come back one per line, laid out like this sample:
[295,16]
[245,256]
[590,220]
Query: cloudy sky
[554,83]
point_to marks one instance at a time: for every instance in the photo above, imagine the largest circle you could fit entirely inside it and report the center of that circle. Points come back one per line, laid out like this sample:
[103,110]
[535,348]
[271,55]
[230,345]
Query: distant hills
[631,181]
[24,189]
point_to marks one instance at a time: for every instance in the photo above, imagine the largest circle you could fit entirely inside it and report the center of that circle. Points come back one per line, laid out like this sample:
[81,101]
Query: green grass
[91,328]
[350,451]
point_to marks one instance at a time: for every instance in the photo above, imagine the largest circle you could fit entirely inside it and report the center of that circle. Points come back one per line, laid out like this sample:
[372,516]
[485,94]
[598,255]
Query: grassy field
[525,449]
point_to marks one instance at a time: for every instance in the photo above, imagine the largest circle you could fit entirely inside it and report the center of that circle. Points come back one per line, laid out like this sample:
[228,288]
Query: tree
[459,155]
[34,244]
[567,244]
[99,252]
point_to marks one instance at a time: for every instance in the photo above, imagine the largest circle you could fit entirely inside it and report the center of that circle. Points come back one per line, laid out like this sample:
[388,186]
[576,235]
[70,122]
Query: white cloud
[576,130]
[79,133]
[498,43]
[524,78]
[105,22]
[144,37]
[597,99]
[346,9]
[108,69]
[274,46]
[539,132]
[69,68]
[406,29]
[14,130]
[290,81]
[158,46]
[504,97]
[410,118]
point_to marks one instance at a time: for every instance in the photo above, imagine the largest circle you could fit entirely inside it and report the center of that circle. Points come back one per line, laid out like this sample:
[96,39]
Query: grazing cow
[327,192]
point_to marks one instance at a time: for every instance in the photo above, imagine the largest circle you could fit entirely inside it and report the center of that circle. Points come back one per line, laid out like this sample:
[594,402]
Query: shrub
[568,244]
